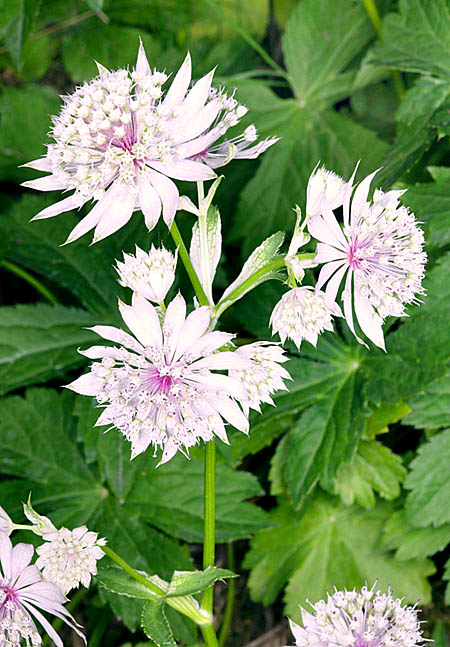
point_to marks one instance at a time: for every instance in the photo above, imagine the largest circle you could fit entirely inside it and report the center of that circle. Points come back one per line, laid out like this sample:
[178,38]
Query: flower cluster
[359,619]
[120,141]
[151,274]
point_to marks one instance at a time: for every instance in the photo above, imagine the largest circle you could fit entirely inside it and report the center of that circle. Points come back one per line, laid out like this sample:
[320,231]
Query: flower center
[160,380]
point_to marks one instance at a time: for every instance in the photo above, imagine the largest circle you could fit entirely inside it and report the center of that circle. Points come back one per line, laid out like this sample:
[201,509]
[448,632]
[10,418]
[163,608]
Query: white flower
[6,524]
[120,141]
[359,619]
[325,188]
[150,274]
[159,387]
[69,557]
[303,313]
[264,374]
[379,251]
[24,594]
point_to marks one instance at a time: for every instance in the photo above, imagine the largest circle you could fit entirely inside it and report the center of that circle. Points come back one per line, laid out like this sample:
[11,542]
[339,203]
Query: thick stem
[37,285]
[229,607]
[184,255]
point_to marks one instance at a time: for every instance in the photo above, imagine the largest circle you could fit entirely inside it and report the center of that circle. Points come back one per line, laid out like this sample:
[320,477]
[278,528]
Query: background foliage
[347,478]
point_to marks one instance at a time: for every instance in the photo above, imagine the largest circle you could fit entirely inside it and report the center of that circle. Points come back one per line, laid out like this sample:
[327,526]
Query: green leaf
[322,38]
[329,545]
[111,45]
[115,580]
[431,407]
[439,634]
[280,182]
[431,203]
[155,625]
[191,582]
[25,122]
[16,23]
[447,577]
[171,498]
[417,39]
[429,482]
[39,342]
[374,468]
[410,542]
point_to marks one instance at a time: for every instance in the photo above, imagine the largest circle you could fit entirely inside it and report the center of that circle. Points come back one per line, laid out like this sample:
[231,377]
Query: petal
[173,324]
[347,195]
[47,183]
[179,86]
[193,328]
[5,554]
[191,126]
[41,164]
[223,361]
[149,202]
[210,342]
[232,413]
[348,306]
[223,383]
[359,201]
[168,193]
[184,170]
[111,333]
[142,66]
[197,96]
[21,556]
[118,213]
[370,322]
[30,575]
[334,284]
[93,218]
[327,270]
[87,384]
[55,209]
[200,144]
[326,253]
[255,151]
[142,319]
[320,229]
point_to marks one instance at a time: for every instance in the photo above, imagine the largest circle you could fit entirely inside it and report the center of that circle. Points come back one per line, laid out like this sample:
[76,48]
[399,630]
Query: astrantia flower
[120,141]
[159,387]
[150,274]
[6,524]
[324,188]
[23,595]
[69,557]
[359,619]
[264,374]
[379,251]
[303,313]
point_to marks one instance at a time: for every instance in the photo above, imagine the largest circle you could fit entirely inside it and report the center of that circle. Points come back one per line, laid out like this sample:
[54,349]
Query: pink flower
[160,387]
[24,594]
[378,252]
[120,141]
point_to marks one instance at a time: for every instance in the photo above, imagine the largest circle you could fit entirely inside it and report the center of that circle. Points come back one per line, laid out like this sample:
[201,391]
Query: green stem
[184,255]
[375,19]
[209,536]
[130,570]
[57,624]
[23,274]
[229,607]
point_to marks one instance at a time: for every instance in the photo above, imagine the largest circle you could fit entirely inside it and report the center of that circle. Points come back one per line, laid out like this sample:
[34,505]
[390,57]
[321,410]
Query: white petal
[348,306]
[334,283]
[117,215]
[47,183]
[173,324]
[359,201]
[347,195]
[86,384]
[223,361]
[92,219]
[193,328]
[326,253]
[200,144]
[111,333]
[40,164]
[210,342]
[197,96]
[223,383]
[20,558]
[184,170]
[368,319]
[5,554]
[319,229]
[179,86]
[149,202]
[55,209]
[229,410]
[184,129]
[142,66]
[168,193]
[326,271]
[142,319]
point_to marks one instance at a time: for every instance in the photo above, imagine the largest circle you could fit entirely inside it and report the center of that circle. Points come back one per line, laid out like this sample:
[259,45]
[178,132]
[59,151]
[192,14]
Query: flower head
[69,557]
[24,594]
[303,313]
[151,274]
[121,141]
[6,524]
[379,251]
[159,387]
[325,188]
[264,374]
[359,619]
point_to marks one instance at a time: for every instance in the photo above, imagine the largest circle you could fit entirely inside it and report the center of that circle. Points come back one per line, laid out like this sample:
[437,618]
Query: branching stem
[31,280]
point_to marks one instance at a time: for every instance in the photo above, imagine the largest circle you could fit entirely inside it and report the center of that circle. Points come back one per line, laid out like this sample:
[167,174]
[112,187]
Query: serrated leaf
[39,342]
[429,482]
[417,39]
[206,267]
[322,38]
[25,121]
[329,545]
[155,624]
[374,468]
[410,542]
[115,580]
[191,582]
[384,415]
[430,409]
[16,24]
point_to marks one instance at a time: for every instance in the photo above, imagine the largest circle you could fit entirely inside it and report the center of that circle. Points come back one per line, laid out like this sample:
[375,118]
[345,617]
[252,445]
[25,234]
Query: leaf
[171,498]
[439,634]
[329,545]
[322,38]
[190,582]
[155,625]
[25,121]
[446,576]
[431,407]
[115,580]
[417,39]
[39,342]
[432,202]
[16,24]
[374,468]
[307,136]
[429,482]
[410,542]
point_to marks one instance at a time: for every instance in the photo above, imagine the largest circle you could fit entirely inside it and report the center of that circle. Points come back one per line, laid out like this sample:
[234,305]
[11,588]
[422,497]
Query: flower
[325,188]
[264,374]
[159,387]
[236,148]
[359,619]
[379,251]
[23,594]
[6,524]
[150,274]
[120,141]
[303,313]
[69,557]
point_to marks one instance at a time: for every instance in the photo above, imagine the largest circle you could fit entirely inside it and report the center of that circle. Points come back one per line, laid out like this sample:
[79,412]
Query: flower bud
[149,274]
